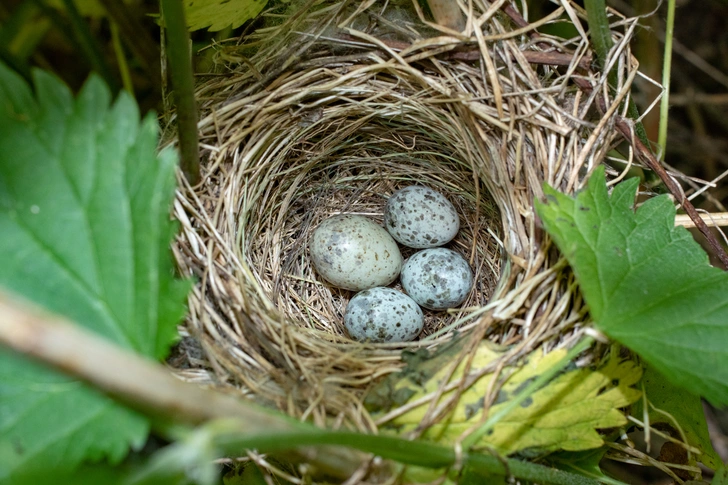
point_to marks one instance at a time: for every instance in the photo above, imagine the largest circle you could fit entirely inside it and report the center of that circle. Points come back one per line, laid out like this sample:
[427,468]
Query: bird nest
[330,110]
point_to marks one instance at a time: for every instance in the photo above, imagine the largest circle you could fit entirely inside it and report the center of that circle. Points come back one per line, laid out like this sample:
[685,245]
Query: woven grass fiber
[330,110]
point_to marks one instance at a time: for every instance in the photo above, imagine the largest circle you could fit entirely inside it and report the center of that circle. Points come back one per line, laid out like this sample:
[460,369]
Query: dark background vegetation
[50,35]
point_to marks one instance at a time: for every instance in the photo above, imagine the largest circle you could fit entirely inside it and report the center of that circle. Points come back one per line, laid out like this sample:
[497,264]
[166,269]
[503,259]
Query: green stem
[121,59]
[85,40]
[666,69]
[180,67]
[601,36]
[140,43]
[417,453]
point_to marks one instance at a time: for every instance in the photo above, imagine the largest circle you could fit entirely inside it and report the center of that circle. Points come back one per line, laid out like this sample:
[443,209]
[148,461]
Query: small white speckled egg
[420,217]
[437,278]
[383,315]
[354,253]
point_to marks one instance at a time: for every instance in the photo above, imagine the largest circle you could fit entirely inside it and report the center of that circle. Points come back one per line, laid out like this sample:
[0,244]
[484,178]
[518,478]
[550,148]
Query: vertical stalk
[180,67]
[601,36]
[666,67]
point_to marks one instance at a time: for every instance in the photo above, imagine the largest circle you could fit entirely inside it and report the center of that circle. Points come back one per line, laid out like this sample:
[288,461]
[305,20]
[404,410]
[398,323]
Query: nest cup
[332,110]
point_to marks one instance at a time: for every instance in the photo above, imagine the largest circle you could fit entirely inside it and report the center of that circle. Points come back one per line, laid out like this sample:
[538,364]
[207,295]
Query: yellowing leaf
[564,414]
[219,14]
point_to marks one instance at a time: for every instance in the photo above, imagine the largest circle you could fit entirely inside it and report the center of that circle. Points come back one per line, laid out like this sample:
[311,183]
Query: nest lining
[312,127]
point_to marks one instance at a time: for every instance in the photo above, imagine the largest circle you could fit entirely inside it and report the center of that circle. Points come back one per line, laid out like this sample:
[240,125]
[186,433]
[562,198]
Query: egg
[383,315]
[420,217]
[354,253]
[437,278]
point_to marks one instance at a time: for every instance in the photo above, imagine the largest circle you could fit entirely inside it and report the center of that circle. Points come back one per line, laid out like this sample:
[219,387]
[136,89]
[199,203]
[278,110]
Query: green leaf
[687,411]
[219,14]
[720,477]
[84,218]
[648,284]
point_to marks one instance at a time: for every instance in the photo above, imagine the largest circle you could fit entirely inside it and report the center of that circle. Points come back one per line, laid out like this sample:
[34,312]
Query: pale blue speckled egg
[354,253]
[383,315]
[437,278]
[420,217]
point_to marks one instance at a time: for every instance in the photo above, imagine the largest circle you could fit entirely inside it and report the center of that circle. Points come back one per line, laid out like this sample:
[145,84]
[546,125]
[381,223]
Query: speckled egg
[383,315]
[354,253]
[437,278]
[420,217]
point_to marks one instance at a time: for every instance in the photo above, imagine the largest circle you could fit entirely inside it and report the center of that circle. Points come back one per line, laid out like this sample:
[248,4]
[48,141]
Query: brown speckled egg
[354,253]
[420,217]
[383,315]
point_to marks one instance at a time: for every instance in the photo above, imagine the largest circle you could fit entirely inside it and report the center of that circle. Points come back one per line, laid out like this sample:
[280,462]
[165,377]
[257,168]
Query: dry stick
[143,384]
[643,153]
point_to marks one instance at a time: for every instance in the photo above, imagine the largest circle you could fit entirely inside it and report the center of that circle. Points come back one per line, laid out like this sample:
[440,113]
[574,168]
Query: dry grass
[337,108]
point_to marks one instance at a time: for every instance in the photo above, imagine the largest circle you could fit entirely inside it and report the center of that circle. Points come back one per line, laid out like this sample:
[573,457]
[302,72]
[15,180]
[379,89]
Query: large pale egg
[437,278]
[420,217]
[383,315]
[354,253]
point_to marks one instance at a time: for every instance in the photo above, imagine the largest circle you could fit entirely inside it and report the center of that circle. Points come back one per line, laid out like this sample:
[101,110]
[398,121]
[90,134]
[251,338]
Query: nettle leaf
[220,14]
[648,284]
[563,415]
[84,218]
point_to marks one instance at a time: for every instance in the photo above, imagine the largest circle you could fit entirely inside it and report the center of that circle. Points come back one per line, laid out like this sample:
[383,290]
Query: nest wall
[336,107]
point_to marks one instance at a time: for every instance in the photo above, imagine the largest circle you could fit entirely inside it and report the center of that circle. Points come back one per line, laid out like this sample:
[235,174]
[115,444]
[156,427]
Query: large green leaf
[84,219]
[648,284]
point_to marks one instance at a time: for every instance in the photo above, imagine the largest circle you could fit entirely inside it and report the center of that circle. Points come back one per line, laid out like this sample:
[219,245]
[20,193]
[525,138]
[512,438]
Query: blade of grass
[121,58]
[136,37]
[88,45]
[666,70]
[180,67]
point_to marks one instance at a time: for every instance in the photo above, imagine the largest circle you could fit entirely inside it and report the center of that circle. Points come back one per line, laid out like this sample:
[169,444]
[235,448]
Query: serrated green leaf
[220,14]
[84,218]
[563,415]
[686,409]
[648,284]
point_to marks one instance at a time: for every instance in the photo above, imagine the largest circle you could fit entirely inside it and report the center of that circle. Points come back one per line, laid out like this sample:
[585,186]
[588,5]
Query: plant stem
[417,453]
[121,59]
[180,67]
[89,45]
[601,36]
[666,70]
[141,44]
